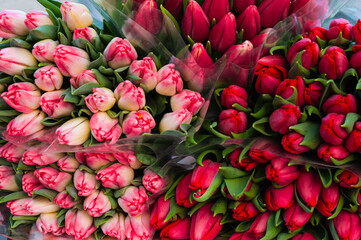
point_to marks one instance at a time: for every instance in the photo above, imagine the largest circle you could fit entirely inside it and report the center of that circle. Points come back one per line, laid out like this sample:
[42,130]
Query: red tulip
[183,192]
[178,230]
[223,34]
[313,93]
[327,151]
[284,117]
[348,179]
[309,53]
[259,225]
[273,11]
[356,32]
[159,213]
[175,7]
[328,200]
[355,58]
[240,5]
[295,217]
[149,10]
[244,211]
[331,129]
[276,198]
[200,55]
[353,141]
[334,63]
[317,32]
[232,121]
[292,143]
[215,9]
[279,172]
[347,226]
[250,22]
[204,225]
[195,22]
[285,89]
[340,104]
[309,187]
[305,236]
[234,94]
[340,26]
[246,164]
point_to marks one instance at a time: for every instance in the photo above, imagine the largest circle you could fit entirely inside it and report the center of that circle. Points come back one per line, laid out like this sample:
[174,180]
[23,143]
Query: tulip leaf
[325,176]
[49,122]
[338,209]
[216,182]
[279,101]
[61,221]
[42,33]
[171,191]
[282,49]
[240,108]
[251,193]
[201,156]
[84,89]
[312,110]
[340,41]
[273,227]
[174,211]
[196,208]
[311,133]
[28,73]
[92,52]
[219,207]
[15,224]
[264,111]
[18,78]
[72,191]
[247,134]
[100,61]
[243,226]
[239,35]
[63,28]
[237,186]
[348,159]
[52,17]
[168,14]
[211,128]
[231,172]
[287,236]
[98,234]
[296,67]
[258,202]
[331,89]
[13,196]
[27,218]
[350,120]
[8,79]
[333,230]
[9,113]
[61,212]
[16,42]
[259,175]
[262,126]
[146,159]
[349,81]
[106,38]
[52,5]
[47,193]
[4,162]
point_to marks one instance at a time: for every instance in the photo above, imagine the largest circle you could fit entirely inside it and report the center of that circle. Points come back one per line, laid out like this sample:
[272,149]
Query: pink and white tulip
[36,19]
[7,179]
[146,70]
[153,182]
[79,224]
[85,183]
[134,200]
[85,77]
[75,15]
[64,200]
[68,164]
[86,33]
[128,158]
[169,81]
[16,207]
[97,204]
[115,226]
[48,78]
[76,131]
[116,176]
[138,122]
[120,53]
[105,128]
[26,124]
[43,50]
[187,99]
[11,152]
[38,158]
[138,227]
[71,60]
[53,178]
[48,223]
[39,205]
[95,160]
[53,104]
[102,100]
[12,64]
[12,24]
[173,120]
[129,97]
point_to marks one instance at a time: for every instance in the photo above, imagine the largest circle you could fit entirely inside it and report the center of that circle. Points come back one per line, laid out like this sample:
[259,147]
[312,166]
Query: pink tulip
[279,172]
[353,141]
[347,225]
[239,6]
[277,198]
[328,200]
[7,179]
[115,226]
[215,9]
[86,33]
[244,211]
[313,93]
[23,97]
[340,26]
[146,70]
[286,89]
[340,104]
[85,77]
[97,204]
[327,151]
[68,163]
[292,143]
[85,183]
[105,128]
[153,182]
[173,120]
[71,60]
[223,34]
[334,63]
[120,53]
[75,15]
[11,152]
[285,117]
[169,81]
[36,158]
[53,104]
[134,200]
[128,158]
[79,224]
[232,121]
[183,192]
[94,160]
[195,23]
[295,217]
[309,187]
[12,24]
[309,53]
[273,12]
[115,176]
[138,227]
[75,131]
[159,213]
[234,95]
[43,50]
[39,205]
[35,19]
[129,97]
[48,223]
[26,124]
[205,225]
[102,99]
[16,207]
[138,122]
[250,22]
[149,10]
[48,78]
[356,32]
[179,229]
[53,178]
[64,200]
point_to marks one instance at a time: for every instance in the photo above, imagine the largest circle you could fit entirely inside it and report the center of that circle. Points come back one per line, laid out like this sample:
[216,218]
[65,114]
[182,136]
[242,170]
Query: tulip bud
[348,179]
[340,104]
[128,158]
[129,97]
[120,53]
[11,152]
[35,19]
[16,207]
[86,33]
[306,52]
[169,81]
[195,23]
[347,225]
[187,99]
[232,95]
[317,33]
[250,22]
[41,159]
[149,10]
[183,192]
[292,143]
[71,60]
[272,12]
[232,121]
[12,24]
[64,200]
[356,32]
[277,198]
[153,182]
[284,117]
[244,211]
[288,86]
[53,104]
[12,64]
[259,225]
[223,35]
[102,99]
[309,187]
[295,217]
[26,124]
[68,164]
[75,131]
[75,15]
[353,141]
[239,6]
[175,7]
[328,200]
[160,210]
[115,226]
[79,224]
[48,78]
[7,179]
[246,164]
[105,128]
[205,225]
[134,200]
[330,153]
[280,173]
[305,236]
[115,176]
[260,39]
[84,182]
[313,93]
[97,204]
[200,55]
[94,160]
[138,122]
[39,205]
[138,227]
[85,77]
[180,229]
[43,50]
[146,70]
[340,27]
[48,223]
[331,129]
[215,9]
[53,178]
[264,153]
[173,120]
[334,63]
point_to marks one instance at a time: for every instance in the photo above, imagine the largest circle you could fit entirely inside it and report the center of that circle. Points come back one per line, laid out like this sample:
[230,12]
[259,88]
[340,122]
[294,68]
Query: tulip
[129,97]
[223,35]
[247,164]
[48,223]
[340,104]
[169,81]
[242,236]
[12,64]
[11,152]
[43,50]
[16,207]
[146,70]
[26,124]
[71,60]
[79,224]
[285,89]
[232,121]
[264,153]
[284,117]
[105,128]
[334,63]
[259,225]
[35,19]
[128,158]
[179,229]
[153,182]
[94,160]
[347,225]
[138,227]
[304,236]
[30,183]
[175,7]
[120,53]
[353,141]
[12,24]
[250,22]
[183,192]
[53,178]
[328,200]
[85,77]
[200,55]
[48,78]
[304,51]
[134,200]
[234,95]
[260,39]
[239,6]
[173,120]
[68,164]
[75,15]
[292,143]
[102,99]
[149,10]
[97,204]
[7,179]
[356,32]
[331,129]
[53,104]
[244,211]
[115,176]
[204,224]
[327,151]
[138,122]
[272,12]
[280,173]
[340,26]
[277,198]
[347,179]
[64,200]
[313,93]
[187,99]
[86,33]
[36,158]
[115,226]
[354,61]
[295,217]
[85,183]
[296,5]
[39,205]
[159,213]
[309,187]
[74,132]
[215,9]
[317,33]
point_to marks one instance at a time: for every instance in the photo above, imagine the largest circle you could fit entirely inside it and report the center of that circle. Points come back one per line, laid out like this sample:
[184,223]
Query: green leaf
[350,78]
[13,196]
[51,5]
[100,221]
[301,203]
[243,226]
[63,28]
[264,111]
[217,181]
[201,156]
[262,126]
[237,186]
[338,209]
[231,172]
[103,80]
[175,210]
[9,113]
[146,159]
[52,16]
[43,32]
[219,207]
[72,191]
[171,191]
[49,122]
[350,120]
[100,61]
[273,227]
[331,89]
[325,176]
[16,42]
[84,89]
[47,193]
[311,133]
[168,14]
